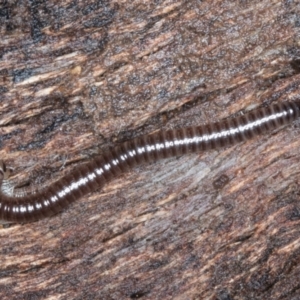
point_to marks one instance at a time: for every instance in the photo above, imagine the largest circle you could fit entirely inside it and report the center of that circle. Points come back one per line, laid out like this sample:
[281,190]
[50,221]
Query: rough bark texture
[77,77]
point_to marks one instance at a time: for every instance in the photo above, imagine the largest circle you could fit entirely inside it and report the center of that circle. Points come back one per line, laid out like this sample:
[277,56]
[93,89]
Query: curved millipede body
[93,175]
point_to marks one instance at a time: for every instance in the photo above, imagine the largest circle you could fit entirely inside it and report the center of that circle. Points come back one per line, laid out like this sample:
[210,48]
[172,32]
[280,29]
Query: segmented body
[93,175]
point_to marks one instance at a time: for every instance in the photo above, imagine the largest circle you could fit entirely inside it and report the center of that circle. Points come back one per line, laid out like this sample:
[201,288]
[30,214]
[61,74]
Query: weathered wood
[78,77]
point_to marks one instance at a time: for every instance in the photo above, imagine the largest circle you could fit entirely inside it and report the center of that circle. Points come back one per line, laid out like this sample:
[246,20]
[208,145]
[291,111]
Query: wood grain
[77,77]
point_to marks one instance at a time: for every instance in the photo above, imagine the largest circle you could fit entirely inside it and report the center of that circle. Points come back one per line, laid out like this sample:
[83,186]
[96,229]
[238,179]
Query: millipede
[149,148]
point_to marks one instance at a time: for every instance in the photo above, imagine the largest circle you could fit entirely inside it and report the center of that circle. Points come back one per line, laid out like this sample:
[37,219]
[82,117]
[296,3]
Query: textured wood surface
[76,77]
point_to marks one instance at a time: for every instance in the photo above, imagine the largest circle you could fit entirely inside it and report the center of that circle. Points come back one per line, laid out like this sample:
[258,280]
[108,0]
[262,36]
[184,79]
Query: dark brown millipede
[93,175]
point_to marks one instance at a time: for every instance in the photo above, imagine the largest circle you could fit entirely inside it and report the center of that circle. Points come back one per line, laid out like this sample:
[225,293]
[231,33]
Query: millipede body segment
[94,174]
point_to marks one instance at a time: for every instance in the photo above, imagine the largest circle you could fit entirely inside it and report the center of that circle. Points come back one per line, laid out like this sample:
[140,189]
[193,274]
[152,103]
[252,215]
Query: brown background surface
[76,77]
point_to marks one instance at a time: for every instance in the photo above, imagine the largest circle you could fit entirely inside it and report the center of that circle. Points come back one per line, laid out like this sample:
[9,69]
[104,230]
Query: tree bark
[77,78]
